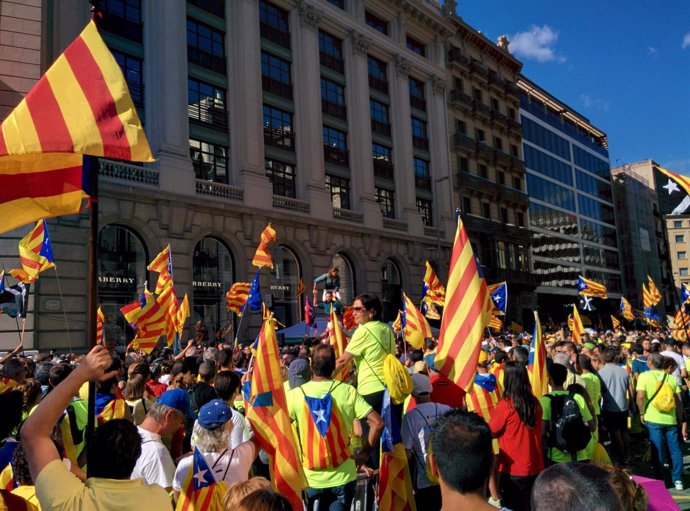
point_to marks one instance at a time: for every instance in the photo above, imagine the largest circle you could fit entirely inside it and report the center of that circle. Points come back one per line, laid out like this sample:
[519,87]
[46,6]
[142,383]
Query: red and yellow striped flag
[349,322]
[237,296]
[495,323]
[81,105]
[200,491]
[536,363]
[397,323]
[466,314]
[416,327]
[626,309]
[338,340]
[577,329]
[35,254]
[267,413]
[262,257]
[182,315]
[654,296]
[587,287]
[168,303]
[100,332]
[615,322]
[434,290]
[148,317]
[162,264]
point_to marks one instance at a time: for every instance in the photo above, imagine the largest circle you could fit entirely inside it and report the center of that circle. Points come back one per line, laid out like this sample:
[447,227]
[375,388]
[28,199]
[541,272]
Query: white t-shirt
[232,465]
[679,360]
[241,430]
[155,465]
[416,431]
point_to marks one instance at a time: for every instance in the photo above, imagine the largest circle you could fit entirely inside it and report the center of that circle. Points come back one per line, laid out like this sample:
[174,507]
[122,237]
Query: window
[501,255]
[420,139]
[545,138]
[274,23]
[275,75]
[463,164]
[495,105]
[340,191]
[458,83]
[483,171]
[683,272]
[335,146]
[206,104]
[123,18]
[514,151]
[416,46]
[417,98]
[205,46]
[511,113]
[132,69]
[422,179]
[333,99]
[467,205]
[520,218]
[517,183]
[216,7]
[498,143]
[504,215]
[677,224]
[682,256]
[548,165]
[477,94]
[380,152]
[377,74]
[278,128]
[424,208]
[209,161]
[552,193]
[481,135]
[376,23]
[282,177]
[331,51]
[460,127]
[501,177]
[383,166]
[680,238]
[385,198]
[486,210]
[380,120]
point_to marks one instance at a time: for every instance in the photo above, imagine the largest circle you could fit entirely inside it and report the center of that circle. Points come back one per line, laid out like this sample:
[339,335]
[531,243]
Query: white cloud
[686,40]
[537,43]
[651,51]
[590,102]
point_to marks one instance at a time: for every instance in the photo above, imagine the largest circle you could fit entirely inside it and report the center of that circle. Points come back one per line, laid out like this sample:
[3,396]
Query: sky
[623,64]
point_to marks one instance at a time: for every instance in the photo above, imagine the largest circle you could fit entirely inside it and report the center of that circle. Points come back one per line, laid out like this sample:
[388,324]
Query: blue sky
[625,65]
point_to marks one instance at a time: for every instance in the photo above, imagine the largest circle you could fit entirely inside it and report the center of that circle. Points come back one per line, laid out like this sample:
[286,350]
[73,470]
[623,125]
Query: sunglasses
[358,309]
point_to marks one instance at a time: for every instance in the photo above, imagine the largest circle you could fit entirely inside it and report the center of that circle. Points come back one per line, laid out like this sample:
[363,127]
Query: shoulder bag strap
[655,393]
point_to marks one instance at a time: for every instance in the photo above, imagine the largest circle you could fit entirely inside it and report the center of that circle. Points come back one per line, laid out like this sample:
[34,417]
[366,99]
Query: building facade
[326,118]
[678,229]
[488,169]
[572,220]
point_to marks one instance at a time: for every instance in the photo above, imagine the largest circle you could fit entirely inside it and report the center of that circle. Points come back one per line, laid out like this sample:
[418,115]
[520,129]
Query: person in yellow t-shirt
[111,456]
[323,411]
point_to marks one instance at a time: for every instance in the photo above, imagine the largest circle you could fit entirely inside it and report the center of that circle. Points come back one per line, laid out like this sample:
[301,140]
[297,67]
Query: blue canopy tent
[296,333]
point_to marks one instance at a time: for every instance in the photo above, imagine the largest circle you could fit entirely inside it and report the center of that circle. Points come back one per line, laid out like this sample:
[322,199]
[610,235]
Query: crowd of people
[493,445]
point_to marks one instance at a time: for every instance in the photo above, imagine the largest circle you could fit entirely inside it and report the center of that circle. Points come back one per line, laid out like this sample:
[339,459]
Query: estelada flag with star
[201,491]
[672,190]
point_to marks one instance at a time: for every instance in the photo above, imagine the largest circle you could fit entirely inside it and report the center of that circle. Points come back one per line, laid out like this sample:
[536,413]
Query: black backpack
[567,430]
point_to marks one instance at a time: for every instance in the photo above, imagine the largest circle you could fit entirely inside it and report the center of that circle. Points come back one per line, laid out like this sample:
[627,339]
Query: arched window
[121,270]
[348,287]
[391,289]
[212,275]
[283,285]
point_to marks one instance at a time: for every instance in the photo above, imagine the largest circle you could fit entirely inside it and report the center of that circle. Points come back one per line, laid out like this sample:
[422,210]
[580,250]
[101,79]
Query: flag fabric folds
[518,329]
[499,296]
[397,323]
[267,413]
[254,300]
[35,252]
[588,287]
[684,293]
[337,339]
[200,491]
[536,363]
[301,288]
[683,181]
[237,296]
[262,257]
[182,314]
[149,319]
[349,322]
[495,323]
[162,264]
[653,292]
[577,329]
[433,290]
[168,304]
[626,309]
[100,331]
[309,318]
[395,483]
[414,325]
[81,105]
[615,322]
[466,314]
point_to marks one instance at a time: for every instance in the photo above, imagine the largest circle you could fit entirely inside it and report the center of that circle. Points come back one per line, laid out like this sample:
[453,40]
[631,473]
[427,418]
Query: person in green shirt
[334,405]
[660,424]
[557,377]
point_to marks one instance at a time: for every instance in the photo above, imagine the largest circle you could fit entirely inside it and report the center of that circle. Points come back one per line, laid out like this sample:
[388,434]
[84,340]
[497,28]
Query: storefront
[284,280]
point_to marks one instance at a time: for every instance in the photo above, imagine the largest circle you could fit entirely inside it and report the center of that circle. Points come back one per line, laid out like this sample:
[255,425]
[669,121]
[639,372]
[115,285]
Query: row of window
[485,211]
[545,138]
[547,165]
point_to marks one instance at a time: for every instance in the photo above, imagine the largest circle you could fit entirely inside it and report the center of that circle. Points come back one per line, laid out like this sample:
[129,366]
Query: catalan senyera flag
[301,288]
[262,257]
[414,325]
[267,413]
[395,483]
[536,363]
[169,305]
[100,331]
[577,329]
[466,315]
[81,105]
[162,264]
[149,318]
[199,490]
[615,322]
[683,181]
[237,296]
[433,290]
[587,287]
[681,319]
[324,439]
[338,340]
[183,313]
[35,254]
[495,323]
[349,322]
[626,309]
[397,323]
[654,293]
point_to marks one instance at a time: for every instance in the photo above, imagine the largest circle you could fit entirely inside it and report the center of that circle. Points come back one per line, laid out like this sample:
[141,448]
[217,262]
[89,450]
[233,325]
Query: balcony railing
[460,99]
[418,103]
[290,204]
[514,125]
[479,69]
[433,231]
[455,55]
[221,190]
[276,87]
[126,173]
[512,89]
[396,225]
[332,62]
[496,81]
[484,149]
[420,143]
[206,59]
[378,84]
[498,117]
[336,156]
[381,128]
[481,109]
[502,158]
[517,163]
[348,215]
[277,137]
[209,114]
[330,108]
[384,169]
[273,34]
[460,140]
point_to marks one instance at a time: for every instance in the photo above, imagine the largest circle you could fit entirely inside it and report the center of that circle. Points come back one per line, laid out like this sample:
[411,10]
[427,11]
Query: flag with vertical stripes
[433,291]
[100,331]
[395,482]
[149,319]
[653,291]
[267,413]
[349,322]
[577,329]
[162,264]
[466,314]
[536,363]
[626,309]
[397,323]
[414,325]
[168,303]
[323,435]
[337,339]
[262,257]
[615,322]
[35,254]
[182,315]
[200,490]
[81,105]
[587,287]
[483,396]
[237,296]
[499,296]
[495,323]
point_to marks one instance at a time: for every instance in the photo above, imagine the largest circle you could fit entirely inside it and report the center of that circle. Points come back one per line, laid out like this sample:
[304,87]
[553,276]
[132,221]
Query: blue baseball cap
[177,399]
[214,414]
